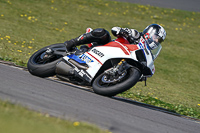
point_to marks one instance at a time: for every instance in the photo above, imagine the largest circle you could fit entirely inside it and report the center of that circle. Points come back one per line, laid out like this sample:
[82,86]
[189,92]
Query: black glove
[124,33]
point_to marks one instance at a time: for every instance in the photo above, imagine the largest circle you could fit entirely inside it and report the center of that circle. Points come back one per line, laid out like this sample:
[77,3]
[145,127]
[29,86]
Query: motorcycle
[110,69]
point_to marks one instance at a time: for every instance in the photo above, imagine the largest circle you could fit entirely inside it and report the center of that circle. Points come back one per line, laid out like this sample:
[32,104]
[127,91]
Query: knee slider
[98,32]
[101,35]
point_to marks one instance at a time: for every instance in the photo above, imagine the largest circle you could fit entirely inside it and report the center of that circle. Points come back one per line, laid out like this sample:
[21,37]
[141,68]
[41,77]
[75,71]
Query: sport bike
[110,69]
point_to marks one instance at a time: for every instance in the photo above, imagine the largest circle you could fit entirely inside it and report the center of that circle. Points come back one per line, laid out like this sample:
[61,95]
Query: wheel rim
[107,80]
[40,58]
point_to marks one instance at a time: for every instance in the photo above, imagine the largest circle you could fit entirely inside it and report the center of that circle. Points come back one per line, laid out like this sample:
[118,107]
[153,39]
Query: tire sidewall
[134,75]
[43,70]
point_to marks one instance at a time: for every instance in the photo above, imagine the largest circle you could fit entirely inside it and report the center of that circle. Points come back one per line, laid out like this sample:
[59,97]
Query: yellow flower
[106,4]
[65,22]
[8,37]
[76,123]
[19,51]
[99,13]
[52,1]
[1,38]
[2,15]
[198,104]
[176,28]
[33,39]
[156,98]
[9,41]
[22,15]
[29,18]
[30,47]
[22,46]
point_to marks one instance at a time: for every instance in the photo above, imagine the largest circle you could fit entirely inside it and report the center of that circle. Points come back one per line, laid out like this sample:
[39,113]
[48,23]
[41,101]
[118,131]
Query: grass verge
[16,119]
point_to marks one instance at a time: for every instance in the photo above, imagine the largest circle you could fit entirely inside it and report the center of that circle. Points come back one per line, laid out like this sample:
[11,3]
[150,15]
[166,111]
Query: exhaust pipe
[64,69]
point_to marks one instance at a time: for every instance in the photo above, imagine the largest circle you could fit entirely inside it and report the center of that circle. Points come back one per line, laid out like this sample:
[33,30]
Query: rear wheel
[108,85]
[43,62]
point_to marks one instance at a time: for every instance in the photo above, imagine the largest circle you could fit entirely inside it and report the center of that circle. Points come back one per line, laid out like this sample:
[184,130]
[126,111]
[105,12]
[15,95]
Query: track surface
[188,5]
[72,103]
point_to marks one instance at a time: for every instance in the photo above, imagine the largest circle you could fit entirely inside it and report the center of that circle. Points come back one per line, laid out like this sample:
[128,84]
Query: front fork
[119,68]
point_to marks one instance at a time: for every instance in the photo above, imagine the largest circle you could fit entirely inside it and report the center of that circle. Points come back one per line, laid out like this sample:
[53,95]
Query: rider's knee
[102,34]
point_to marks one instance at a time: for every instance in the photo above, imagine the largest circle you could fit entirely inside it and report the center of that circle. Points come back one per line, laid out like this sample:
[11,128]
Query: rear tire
[129,80]
[44,69]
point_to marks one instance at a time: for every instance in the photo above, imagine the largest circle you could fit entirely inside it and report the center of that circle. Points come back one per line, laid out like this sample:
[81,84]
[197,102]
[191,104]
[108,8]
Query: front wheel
[42,64]
[108,86]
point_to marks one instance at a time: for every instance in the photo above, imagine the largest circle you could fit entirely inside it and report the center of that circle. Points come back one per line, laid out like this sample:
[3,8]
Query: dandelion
[9,41]
[106,4]
[2,15]
[30,47]
[66,23]
[198,104]
[1,38]
[33,39]
[99,13]
[176,28]
[22,15]
[156,98]
[52,1]
[19,51]
[76,123]
[22,46]
[29,18]
[9,2]
[8,37]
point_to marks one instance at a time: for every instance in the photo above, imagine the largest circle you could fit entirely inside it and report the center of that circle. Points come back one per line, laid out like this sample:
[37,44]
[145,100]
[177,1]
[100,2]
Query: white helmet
[155,35]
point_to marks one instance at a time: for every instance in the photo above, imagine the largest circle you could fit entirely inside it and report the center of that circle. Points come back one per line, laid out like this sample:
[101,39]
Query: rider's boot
[101,36]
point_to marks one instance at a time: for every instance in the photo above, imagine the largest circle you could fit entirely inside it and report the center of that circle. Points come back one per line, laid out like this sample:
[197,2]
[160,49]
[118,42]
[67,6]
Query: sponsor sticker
[85,58]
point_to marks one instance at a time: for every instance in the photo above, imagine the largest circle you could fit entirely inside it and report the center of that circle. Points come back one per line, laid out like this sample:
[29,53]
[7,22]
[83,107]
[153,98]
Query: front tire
[38,67]
[106,89]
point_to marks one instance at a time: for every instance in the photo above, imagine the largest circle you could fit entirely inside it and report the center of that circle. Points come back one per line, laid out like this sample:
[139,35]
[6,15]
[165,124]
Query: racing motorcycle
[110,69]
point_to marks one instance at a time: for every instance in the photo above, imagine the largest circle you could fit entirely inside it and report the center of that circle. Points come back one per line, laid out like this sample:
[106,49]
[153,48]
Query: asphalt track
[188,5]
[117,115]
[60,100]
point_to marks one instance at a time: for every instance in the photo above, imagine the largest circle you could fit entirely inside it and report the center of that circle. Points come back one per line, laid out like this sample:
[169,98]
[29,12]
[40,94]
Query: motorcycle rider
[153,33]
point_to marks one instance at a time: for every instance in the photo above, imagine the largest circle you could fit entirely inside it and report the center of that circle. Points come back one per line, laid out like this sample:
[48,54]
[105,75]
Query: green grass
[16,119]
[26,26]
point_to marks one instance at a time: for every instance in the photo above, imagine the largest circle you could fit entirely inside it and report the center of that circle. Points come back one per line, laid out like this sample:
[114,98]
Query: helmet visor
[154,41]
